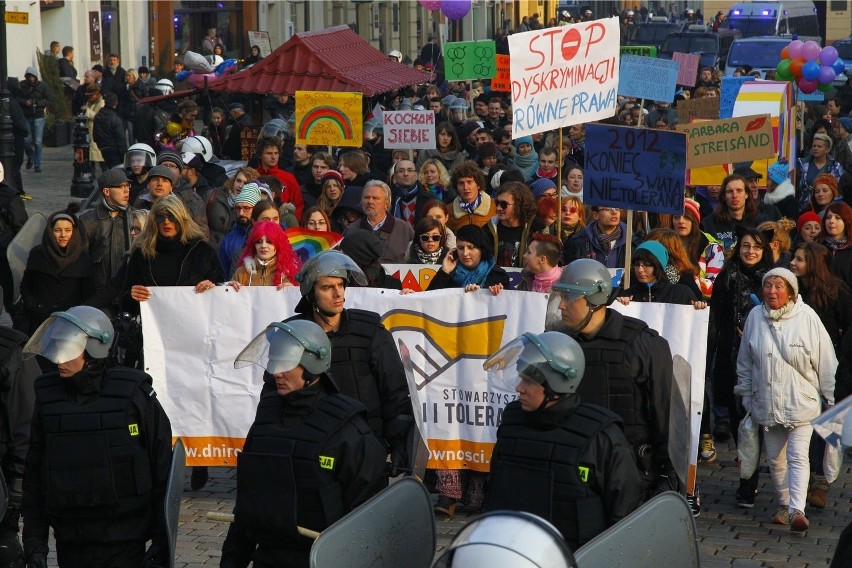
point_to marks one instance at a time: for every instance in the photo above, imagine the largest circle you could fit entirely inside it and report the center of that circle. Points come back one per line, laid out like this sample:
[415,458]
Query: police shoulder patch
[583,472]
[326,462]
[134,429]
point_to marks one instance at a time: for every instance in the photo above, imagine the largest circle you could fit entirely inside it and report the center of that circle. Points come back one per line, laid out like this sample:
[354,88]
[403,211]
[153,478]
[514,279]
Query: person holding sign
[571,458]
[309,457]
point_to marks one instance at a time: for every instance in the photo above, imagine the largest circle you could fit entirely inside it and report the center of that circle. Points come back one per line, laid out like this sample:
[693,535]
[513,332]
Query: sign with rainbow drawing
[329,119]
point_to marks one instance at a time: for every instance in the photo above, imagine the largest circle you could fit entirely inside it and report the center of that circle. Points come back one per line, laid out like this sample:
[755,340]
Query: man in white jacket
[785,370]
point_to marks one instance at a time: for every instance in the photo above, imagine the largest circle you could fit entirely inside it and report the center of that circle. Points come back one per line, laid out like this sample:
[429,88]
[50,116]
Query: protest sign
[563,76]
[643,50]
[409,129]
[261,40]
[691,109]
[465,60]
[329,119]
[634,168]
[728,94]
[688,71]
[726,141]
[191,341]
[647,78]
[501,82]
[418,276]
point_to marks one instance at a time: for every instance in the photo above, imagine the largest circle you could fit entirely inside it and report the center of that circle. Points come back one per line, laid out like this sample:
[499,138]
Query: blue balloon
[839,66]
[810,70]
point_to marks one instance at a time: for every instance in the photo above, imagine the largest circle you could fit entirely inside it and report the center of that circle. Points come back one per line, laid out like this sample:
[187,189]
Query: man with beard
[234,241]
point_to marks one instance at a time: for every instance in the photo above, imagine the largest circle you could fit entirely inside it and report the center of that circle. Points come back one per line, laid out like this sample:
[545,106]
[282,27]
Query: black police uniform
[568,463]
[309,459]
[366,366]
[629,371]
[97,467]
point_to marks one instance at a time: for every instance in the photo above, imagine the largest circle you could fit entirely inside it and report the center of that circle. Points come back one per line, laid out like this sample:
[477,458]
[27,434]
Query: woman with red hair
[268,258]
[836,235]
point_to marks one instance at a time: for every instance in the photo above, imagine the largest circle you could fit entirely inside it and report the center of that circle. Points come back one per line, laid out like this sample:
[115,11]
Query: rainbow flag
[308,244]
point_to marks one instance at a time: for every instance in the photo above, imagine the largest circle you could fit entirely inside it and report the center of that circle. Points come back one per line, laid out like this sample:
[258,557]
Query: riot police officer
[364,361]
[309,457]
[576,468]
[628,364]
[100,451]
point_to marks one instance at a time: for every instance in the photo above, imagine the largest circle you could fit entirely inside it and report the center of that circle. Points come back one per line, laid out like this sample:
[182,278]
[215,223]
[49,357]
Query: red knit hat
[804,218]
[332,174]
[692,209]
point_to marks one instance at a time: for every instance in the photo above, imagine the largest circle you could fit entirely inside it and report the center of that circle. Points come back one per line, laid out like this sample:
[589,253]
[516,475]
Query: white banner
[563,76]
[409,129]
[191,341]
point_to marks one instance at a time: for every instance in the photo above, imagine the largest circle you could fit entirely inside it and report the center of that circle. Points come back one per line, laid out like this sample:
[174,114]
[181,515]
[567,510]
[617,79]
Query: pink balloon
[810,51]
[806,86]
[455,9]
[795,49]
[431,4]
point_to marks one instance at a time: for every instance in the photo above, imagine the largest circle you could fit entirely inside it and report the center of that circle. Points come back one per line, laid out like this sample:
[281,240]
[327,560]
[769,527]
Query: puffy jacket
[36,93]
[785,366]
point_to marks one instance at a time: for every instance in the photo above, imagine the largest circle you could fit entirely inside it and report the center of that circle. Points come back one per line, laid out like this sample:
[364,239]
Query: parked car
[756,53]
[652,34]
[712,47]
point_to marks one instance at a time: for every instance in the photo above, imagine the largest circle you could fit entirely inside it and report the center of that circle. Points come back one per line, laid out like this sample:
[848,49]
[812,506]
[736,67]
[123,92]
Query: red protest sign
[501,82]
[688,71]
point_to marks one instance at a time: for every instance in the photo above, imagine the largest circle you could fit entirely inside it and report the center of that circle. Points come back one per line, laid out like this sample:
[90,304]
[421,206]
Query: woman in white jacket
[785,366]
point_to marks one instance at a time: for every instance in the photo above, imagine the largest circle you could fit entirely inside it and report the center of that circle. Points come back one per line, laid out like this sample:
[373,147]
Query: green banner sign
[465,60]
[643,50]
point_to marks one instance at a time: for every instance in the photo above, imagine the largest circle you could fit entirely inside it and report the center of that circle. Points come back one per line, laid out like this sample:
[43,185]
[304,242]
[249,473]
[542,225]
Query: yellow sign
[329,119]
[17,17]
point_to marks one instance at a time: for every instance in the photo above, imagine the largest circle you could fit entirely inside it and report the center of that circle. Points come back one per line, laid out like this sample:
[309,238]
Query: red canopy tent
[334,59]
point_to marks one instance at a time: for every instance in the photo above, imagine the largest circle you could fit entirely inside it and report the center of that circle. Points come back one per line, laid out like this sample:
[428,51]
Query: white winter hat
[786,275]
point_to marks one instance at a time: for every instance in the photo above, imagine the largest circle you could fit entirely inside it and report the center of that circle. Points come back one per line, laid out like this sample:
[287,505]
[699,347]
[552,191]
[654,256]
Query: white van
[775,19]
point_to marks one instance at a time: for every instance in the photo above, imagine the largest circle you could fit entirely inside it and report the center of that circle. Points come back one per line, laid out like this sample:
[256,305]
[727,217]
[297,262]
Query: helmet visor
[503,366]
[329,263]
[273,349]
[57,340]
[137,158]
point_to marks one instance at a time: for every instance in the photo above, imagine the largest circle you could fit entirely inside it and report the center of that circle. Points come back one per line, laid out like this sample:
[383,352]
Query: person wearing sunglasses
[429,245]
[515,221]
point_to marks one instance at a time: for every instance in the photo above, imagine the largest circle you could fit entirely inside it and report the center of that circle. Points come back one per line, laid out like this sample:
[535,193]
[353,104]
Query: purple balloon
[806,86]
[810,51]
[828,55]
[431,4]
[839,66]
[826,75]
[794,50]
[455,9]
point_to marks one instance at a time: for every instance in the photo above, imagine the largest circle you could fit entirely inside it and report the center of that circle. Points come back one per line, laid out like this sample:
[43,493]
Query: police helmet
[459,104]
[507,539]
[283,346]
[551,359]
[198,145]
[276,127]
[586,277]
[395,54]
[66,335]
[328,263]
[165,87]
[140,154]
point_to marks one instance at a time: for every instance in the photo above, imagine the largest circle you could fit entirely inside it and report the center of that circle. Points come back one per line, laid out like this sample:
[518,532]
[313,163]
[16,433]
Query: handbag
[748,445]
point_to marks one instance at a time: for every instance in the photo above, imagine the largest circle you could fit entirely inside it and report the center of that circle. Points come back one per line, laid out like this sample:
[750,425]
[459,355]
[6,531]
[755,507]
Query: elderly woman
[785,368]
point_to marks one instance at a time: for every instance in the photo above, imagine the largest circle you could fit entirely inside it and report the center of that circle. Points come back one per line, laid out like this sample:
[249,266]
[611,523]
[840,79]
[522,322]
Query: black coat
[45,289]
[662,291]
[108,134]
[443,280]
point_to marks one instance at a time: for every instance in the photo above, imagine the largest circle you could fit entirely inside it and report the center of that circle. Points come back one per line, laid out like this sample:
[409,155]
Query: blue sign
[634,168]
[816,96]
[647,78]
[730,90]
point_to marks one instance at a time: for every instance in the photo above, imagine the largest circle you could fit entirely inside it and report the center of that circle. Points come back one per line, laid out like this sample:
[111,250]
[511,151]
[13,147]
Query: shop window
[193,19]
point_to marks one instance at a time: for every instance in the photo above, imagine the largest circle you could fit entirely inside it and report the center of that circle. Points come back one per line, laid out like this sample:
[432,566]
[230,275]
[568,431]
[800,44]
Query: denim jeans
[32,144]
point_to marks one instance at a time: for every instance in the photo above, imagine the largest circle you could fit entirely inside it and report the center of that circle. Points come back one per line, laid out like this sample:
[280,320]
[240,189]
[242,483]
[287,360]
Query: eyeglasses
[163,217]
[607,210]
[134,230]
[171,165]
[502,204]
[427,238]
[320,223]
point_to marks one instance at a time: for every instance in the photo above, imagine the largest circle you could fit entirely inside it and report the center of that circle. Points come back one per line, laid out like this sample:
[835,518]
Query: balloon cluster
[809,66]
